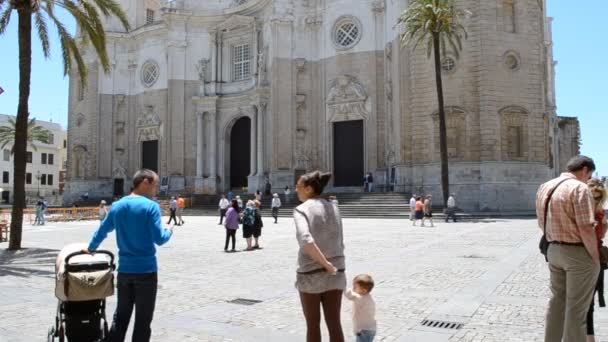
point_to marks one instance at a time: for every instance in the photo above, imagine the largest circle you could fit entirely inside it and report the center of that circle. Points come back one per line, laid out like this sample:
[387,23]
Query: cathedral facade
[225,94]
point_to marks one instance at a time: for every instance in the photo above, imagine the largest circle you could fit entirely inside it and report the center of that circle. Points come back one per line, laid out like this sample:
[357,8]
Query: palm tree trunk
[443,140]
[20,147]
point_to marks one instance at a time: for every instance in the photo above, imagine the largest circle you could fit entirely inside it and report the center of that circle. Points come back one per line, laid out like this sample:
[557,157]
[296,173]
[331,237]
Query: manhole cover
[441,325]
[243,301]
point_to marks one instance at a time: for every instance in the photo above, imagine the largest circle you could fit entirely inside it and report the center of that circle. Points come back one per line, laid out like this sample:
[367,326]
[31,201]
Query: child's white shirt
[364,311]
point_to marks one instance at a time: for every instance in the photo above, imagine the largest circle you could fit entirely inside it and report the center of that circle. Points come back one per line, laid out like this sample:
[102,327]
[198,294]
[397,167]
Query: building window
[448,64]
[5,177]
[51,159]
[42,179]
[49,179]
[511,61]
[28,178]
[65,143]
[7,155]
[51,139]
[242,62]
[80,91]
[149,16]
[43,158]
[514,142]
[149,73]
[29,157]
[346,32]
[508,7]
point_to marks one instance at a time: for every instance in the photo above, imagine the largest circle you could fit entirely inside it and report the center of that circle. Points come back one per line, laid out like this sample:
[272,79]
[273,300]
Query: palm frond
[111,7]
[5,18]
[43,34]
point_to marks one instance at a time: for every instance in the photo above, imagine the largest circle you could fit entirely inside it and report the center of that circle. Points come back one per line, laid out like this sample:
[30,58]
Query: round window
[512,61]
[347,32]
[448,64]
[149,73]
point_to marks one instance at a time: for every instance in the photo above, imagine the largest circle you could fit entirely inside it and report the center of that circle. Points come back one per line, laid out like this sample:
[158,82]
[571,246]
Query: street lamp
[38,178]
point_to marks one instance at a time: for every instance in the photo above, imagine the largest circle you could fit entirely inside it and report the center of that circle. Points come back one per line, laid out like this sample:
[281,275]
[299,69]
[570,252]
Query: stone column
[253,150]
[260,145]
[199,145]
[213,147]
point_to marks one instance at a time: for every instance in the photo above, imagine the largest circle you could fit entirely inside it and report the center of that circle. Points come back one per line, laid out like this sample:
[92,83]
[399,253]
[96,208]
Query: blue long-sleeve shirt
[137,221]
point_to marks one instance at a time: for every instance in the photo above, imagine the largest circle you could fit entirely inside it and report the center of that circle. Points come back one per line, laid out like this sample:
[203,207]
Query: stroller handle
[101,251]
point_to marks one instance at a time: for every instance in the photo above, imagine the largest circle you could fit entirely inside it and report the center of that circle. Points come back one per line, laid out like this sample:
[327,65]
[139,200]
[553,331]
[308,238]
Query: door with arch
[240,152]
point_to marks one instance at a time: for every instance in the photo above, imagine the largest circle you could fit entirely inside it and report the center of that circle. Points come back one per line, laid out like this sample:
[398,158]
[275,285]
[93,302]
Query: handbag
[543,244]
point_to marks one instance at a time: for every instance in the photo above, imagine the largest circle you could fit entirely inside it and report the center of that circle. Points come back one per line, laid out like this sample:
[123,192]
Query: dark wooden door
[119,187]
[240,154]
[149,155]
[348,153]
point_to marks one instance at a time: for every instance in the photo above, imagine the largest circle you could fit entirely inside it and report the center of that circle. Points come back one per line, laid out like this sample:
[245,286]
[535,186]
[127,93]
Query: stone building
[225,94]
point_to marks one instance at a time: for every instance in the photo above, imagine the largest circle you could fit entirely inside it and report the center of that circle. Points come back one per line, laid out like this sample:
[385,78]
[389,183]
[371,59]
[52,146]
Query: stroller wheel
[51,335]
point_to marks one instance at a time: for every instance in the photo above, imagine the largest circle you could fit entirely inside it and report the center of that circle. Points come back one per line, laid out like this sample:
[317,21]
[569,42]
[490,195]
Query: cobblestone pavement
[486,275]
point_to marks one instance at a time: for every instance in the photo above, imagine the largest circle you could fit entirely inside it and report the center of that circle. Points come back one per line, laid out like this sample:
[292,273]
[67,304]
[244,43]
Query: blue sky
[579,38]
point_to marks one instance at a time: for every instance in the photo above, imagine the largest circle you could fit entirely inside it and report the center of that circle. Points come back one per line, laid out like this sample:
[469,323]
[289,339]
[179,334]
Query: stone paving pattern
[487,275]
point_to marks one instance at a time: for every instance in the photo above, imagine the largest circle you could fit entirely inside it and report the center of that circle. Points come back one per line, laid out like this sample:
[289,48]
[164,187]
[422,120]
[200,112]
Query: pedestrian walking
[258,224]
[223,206]
[598,192]
[365,182]
[103,210]
[239,201]
[287,193]
[248,223]
[370,182]
[181,205]
[258,195]
[39,219]
[320,275]
[230,196]
[172,210]
[419,212]
[364,308]
[428,210]
[275,205]
[413,208]
[231,224]
[450,211]
[267,187]
[137,221]
[566,216]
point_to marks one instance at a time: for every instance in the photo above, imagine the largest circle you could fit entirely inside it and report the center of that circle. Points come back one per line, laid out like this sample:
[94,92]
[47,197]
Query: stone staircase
[352,205]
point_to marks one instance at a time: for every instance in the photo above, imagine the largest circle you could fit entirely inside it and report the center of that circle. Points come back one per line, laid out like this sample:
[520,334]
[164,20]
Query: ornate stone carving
[378,6]
[315,20]
[514,133]
[202,66]
[300,64]
[148,125]
[261,67]
[388,90]
[347,99]
[388,50]
[118,171]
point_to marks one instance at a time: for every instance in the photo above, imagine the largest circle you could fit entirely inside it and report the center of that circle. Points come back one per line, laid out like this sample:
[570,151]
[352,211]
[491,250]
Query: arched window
[514,133]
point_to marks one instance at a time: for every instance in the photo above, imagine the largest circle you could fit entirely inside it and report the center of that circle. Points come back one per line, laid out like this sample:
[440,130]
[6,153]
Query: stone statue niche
[202,66]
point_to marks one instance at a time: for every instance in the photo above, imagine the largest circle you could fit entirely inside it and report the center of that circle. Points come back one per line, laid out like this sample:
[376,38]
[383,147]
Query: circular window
[512,61]
[149,73]
[347,32]
[448,64]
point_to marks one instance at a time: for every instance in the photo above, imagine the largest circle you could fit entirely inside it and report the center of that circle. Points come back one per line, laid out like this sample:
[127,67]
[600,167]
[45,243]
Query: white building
[226,94]
[44,165]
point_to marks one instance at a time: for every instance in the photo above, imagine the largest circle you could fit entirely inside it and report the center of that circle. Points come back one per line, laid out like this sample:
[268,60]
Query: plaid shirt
[571,217]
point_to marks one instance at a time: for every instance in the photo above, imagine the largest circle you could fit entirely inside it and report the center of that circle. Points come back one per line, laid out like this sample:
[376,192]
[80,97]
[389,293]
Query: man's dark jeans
[137,290]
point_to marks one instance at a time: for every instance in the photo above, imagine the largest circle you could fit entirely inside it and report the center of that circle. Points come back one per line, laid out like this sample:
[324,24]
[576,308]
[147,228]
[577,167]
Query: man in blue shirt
[137,221]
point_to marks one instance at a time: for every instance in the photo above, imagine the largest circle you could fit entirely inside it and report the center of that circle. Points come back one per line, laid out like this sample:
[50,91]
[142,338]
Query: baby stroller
[82,283]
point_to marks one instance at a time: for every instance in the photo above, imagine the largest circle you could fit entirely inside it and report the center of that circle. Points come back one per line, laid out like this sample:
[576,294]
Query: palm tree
[34,133]
[438,23]
[86,13]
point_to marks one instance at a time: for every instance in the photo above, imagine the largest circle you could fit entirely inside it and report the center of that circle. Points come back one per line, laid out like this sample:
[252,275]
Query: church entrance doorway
[119,187]
[348,153]
[149,155]
[240,154]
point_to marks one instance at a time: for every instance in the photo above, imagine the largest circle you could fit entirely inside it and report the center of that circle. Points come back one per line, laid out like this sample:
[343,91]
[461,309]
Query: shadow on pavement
[28,262]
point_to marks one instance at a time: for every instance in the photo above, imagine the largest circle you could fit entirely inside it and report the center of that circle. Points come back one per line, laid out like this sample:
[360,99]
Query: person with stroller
[137,221]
